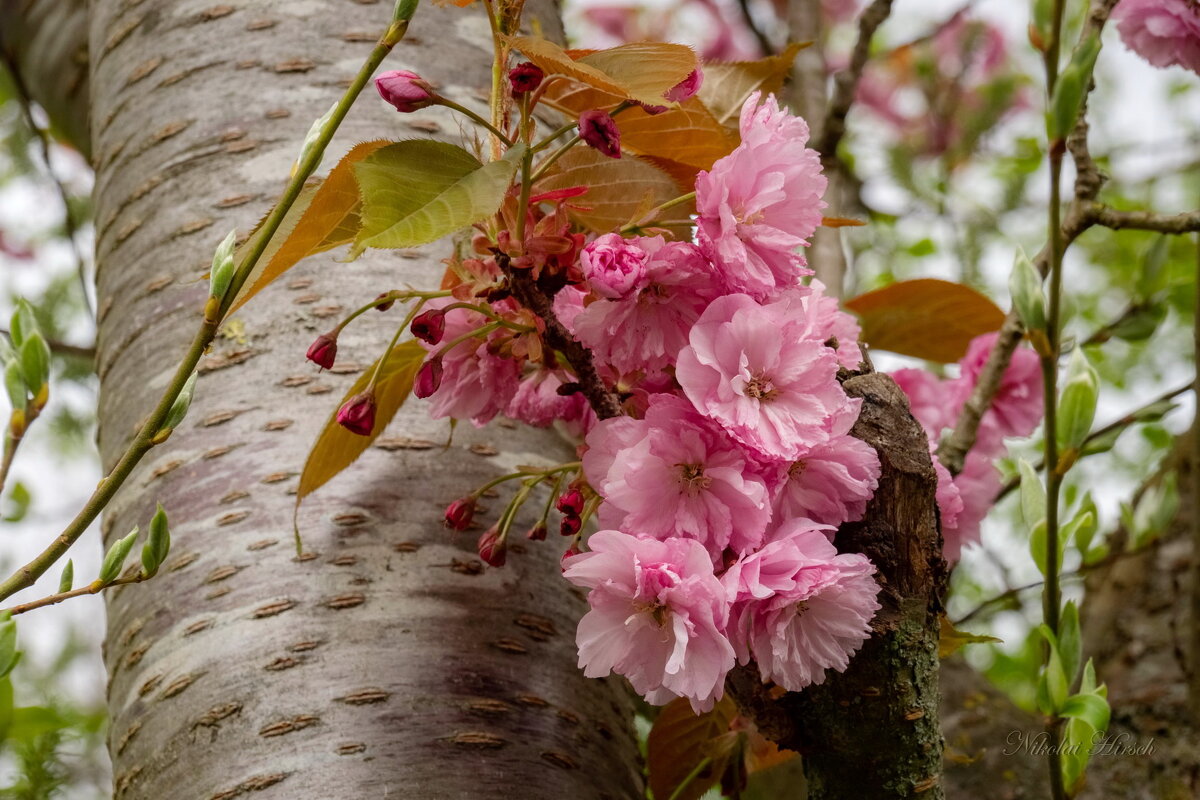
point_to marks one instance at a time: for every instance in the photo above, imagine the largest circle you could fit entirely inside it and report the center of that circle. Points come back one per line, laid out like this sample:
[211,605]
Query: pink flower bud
[492,549]
[429,326]
[460,513]
[323,351]
[686,87]
[598,130]
[429,378]
[614,267]
[570,502]
[358,414]
[525,78]
[406,91]
[570,525]
[537,533]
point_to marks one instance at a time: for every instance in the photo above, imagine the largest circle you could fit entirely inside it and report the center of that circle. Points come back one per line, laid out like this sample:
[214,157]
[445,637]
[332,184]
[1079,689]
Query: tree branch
[846,81]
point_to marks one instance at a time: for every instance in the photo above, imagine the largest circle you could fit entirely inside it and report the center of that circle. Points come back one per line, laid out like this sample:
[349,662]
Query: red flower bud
[358,414]
[406,91]
[570,502]
[429,325]
[573,550]
[323,351]
[570,525]
[387,305]
[525,78]
[537,533]
[429,378]
[598,130]
[686,87]
[492,549]
[460,513]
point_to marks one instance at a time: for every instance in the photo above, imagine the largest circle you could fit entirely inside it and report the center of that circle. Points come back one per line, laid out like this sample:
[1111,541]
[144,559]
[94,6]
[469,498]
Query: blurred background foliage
[944,160]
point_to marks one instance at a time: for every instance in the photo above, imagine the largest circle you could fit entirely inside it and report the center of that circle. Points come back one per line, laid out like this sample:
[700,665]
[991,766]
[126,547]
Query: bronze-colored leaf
[841,222]
[337,448]
[618,190]
[680,739]
[687,134]
[727,85]
[642,71]
[321,218]
[927,318]
[951,640]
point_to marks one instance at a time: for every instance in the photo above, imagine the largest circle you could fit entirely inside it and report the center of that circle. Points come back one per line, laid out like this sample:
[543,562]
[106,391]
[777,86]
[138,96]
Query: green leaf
[418,191]
[1052,683]
[1025,286]
[1090,708]
[110,570]
[1077,405]
[9,655]
[1033,494]
[35,361]
[68,577]
[15,386]
[1070,642]
[22,324]
[179,408]
[1152,278]
[19,501]
[336,448]
[1087,684]
[951,640]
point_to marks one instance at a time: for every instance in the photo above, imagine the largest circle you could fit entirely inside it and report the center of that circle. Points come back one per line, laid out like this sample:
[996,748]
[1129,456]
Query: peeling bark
[385,661]
[872,731]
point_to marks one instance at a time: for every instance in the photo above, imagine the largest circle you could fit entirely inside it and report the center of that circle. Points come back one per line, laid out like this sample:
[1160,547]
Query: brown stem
[525,289]
[846,81]
[92,588]
[1193,675]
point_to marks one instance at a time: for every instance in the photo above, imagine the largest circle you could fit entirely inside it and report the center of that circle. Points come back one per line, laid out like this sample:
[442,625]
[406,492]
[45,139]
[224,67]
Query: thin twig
[92,588]
[1117,424]
[768,49]
[845,84]
[1193,674]
[70,223]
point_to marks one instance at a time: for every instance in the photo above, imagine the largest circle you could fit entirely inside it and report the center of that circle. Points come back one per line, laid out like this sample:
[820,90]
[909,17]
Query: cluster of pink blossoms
[1164,32]
[964,499]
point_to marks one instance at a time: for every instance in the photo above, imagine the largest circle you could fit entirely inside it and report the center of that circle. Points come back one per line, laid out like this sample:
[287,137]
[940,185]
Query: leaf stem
[475,118]
[95,587]
[143,442]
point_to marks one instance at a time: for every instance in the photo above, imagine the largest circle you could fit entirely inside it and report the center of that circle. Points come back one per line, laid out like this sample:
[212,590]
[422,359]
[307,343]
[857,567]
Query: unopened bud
[1077,405]
[1025,286]
[570,502]
[460,513]
[429,326]
[387,305]
[686,87]
[570,525]
[492,549]
[573,550]
[222,266]
[537,533]
[597,129]
[429,378]
[524,78]
[405,91]
[357,415]
[323,351]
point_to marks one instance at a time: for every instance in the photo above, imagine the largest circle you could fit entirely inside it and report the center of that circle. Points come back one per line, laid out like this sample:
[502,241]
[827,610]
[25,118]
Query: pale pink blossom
[757,371]
[798,632]
[949,500]
[758,205]
[646,330]
[777,565]
[475,384]
[657,616]
[838,329]
[676,473]
[1164,32]
[613,266]
[538,403]
[929,398]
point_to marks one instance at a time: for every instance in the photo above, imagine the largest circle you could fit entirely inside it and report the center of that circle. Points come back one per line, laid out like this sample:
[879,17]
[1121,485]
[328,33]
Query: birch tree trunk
[383,662]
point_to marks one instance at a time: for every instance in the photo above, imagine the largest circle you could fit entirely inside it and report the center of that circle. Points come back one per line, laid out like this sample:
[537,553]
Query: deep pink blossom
[758,205]
[357,414]
[323,351]
[647,329]
[657,616]
[614,267]
[676,473]
[757,371]
[798,632]
[686,87]
[598,130]
[977,485]
[525,77]
[1164,32]
[475,384]
[930,399]
[1016,409]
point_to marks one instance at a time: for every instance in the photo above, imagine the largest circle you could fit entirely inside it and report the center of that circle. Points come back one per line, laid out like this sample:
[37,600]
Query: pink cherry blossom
[614,267]
[775,567]
[838,329]
[977,485]
[657,616]
[929,398]
[831,483]
[757,370]
[646,330]
[1164,32]
[676,473]
[757,206]
[799,631]
[1016,409]
[538,403]
[475,384]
